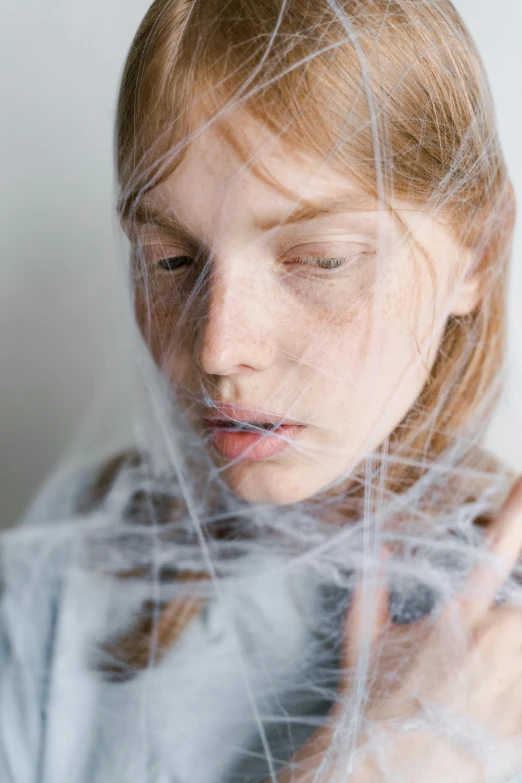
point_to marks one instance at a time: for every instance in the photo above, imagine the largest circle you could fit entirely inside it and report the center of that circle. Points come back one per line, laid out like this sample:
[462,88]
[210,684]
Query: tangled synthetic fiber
[197,636]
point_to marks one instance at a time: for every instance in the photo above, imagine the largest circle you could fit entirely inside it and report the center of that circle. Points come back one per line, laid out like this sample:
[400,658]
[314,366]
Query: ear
[468,291]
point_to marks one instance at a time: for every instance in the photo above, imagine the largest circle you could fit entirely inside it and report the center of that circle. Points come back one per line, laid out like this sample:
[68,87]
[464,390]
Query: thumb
[369,612]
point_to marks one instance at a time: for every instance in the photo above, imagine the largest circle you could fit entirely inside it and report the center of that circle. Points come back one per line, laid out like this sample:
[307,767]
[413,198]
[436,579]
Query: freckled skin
[343,351]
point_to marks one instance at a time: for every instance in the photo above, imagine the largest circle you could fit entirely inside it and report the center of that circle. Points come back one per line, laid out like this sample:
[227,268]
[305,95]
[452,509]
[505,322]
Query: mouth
[247,435]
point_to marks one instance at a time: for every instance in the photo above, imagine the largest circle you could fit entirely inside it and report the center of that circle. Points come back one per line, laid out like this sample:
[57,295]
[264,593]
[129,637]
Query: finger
[504,545]
[369,612]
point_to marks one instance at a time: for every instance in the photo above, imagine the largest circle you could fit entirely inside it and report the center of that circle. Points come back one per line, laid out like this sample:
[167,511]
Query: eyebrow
[166,220]
[143,215]
[312,211]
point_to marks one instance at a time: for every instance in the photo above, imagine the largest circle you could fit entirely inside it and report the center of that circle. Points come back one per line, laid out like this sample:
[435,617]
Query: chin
[268,482]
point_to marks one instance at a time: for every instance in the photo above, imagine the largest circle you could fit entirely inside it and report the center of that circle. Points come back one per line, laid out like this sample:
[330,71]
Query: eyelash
[327,263]
[167,265]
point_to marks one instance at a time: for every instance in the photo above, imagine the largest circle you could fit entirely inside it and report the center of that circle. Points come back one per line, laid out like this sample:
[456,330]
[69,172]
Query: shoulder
[37,563]
[124,487]
[36,555]
[81,513]
[80,488]
[92,519]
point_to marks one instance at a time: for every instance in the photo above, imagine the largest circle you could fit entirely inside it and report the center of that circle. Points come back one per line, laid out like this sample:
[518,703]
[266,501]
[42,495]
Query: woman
[289,578]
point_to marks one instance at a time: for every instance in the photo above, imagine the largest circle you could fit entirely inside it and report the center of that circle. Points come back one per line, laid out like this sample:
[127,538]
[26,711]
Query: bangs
[238,71]
[365,90]
[389,93]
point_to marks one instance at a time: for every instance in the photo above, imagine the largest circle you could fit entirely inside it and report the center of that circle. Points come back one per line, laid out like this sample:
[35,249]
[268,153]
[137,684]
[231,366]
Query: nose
[237,324]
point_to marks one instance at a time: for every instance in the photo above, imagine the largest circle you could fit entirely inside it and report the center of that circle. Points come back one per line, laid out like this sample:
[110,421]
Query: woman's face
[296,338]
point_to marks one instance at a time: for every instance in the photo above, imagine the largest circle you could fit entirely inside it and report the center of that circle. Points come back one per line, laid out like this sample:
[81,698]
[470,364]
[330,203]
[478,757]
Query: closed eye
[174,263]
[325,262]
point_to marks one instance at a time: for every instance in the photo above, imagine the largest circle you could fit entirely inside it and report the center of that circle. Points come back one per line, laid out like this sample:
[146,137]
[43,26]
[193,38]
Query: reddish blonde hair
[393,93]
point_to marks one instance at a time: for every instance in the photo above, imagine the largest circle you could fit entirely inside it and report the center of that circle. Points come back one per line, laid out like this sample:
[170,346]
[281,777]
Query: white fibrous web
[254,589]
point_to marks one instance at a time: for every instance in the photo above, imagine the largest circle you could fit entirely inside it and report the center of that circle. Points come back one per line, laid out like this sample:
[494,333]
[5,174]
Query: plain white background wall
[61,306]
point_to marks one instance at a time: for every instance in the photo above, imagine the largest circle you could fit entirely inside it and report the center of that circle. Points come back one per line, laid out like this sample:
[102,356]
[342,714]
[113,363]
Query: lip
[253,443]
[227,412]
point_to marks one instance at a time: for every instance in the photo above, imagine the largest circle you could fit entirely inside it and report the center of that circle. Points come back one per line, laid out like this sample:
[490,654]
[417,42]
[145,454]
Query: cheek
[393,358]
[369,365]
[341,335]
[159,323]
[328,328]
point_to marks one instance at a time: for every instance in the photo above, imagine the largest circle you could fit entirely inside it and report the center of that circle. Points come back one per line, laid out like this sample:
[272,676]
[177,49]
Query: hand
[465,667]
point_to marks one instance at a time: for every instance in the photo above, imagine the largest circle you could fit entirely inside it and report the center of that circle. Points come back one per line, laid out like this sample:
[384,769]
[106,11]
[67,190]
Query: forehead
[271,179]
[215,191]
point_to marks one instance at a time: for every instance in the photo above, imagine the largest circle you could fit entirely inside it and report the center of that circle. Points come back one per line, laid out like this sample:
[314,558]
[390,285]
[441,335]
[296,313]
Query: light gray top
[193,718]
[251,677]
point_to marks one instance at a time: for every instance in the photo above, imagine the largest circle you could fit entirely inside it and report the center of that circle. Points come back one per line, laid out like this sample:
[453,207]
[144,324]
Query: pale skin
[240,319]
[273,335]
